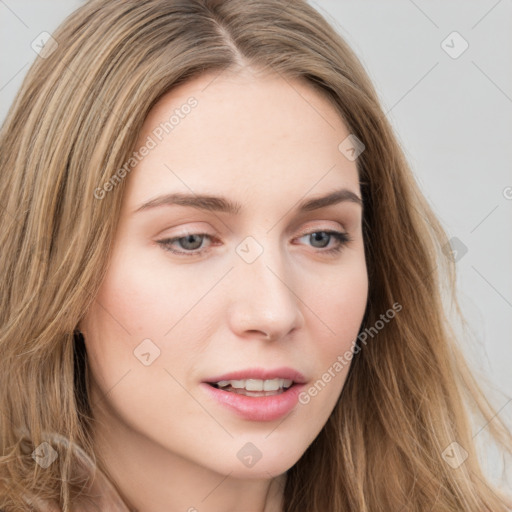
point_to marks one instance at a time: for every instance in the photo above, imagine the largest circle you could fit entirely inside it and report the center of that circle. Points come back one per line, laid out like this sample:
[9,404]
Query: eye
[323,238]
[192,243]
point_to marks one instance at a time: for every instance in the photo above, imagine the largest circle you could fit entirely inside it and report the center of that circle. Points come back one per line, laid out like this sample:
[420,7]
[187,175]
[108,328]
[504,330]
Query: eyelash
[341,238]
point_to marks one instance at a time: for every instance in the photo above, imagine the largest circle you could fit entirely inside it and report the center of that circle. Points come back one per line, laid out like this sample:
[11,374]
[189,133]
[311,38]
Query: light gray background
[453,117]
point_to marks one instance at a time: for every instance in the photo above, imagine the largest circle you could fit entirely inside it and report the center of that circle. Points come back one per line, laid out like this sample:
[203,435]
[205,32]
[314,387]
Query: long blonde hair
[409,392]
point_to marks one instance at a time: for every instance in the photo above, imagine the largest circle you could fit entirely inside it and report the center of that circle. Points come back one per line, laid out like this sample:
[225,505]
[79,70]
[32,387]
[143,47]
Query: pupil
[190,239]
[319,235]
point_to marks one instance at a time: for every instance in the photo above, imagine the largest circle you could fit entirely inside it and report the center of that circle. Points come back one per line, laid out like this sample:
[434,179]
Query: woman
[222,284]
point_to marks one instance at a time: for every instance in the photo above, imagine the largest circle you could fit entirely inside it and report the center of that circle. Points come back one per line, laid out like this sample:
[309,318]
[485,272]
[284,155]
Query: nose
[262,299]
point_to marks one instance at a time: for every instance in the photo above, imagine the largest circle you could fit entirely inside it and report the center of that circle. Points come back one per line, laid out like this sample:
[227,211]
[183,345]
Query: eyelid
[312,228]
[308,229]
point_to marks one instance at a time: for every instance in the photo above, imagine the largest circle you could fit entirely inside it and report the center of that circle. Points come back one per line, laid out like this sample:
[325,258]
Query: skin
[267,143]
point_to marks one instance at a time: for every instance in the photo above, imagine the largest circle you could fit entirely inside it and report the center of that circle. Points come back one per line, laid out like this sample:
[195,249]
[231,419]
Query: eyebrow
[222,204]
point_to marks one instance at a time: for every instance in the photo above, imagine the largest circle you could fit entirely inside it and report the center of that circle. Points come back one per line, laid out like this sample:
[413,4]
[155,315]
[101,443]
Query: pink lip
[258,408]
[263,374]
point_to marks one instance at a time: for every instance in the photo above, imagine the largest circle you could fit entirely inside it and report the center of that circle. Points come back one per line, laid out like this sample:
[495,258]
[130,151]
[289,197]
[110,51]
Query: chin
[266,467]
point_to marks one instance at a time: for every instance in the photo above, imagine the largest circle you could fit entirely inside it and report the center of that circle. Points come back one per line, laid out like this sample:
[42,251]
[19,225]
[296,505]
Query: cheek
[136,300]
[340,303]
[140,308]
[118,321]
[129,318]
[339,311]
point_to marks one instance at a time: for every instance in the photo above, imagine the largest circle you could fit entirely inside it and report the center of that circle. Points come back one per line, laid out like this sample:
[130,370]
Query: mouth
[256,395]
[254,387]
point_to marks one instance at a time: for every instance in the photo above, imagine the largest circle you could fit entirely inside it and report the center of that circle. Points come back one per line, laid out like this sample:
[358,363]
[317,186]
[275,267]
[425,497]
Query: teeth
[256,384]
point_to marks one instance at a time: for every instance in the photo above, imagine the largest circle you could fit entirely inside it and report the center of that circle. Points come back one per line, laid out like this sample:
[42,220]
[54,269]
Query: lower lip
[257,408]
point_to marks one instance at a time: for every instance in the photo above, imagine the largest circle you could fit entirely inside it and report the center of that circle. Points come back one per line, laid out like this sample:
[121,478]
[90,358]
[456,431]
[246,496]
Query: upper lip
[261,374]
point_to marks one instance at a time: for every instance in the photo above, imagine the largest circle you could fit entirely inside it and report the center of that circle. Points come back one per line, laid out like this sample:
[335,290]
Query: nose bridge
[264,299]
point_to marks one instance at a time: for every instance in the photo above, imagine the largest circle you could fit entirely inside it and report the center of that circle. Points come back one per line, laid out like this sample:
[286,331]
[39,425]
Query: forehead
[245,132]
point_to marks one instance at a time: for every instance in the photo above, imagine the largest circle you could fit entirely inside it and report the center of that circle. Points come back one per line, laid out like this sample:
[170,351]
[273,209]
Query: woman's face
[195,291]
